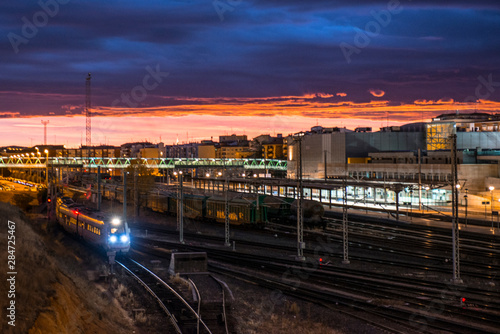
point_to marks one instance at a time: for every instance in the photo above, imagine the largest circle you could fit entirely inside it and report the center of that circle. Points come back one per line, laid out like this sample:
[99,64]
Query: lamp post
[427,195]
[47,168]
[491,188]
[458,196]
[300,193]
[180,211]
[466,202]
[411,203]
[49,199]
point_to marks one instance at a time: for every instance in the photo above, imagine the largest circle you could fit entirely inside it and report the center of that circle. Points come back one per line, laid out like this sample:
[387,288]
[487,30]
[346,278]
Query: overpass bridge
[160,163]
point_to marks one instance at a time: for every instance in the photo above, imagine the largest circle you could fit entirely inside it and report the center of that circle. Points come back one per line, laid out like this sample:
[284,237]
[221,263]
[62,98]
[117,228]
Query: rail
[173,292]
[172,318]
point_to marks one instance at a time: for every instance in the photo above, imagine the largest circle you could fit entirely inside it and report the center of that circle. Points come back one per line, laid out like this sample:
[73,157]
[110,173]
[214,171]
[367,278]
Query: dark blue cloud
[427,50]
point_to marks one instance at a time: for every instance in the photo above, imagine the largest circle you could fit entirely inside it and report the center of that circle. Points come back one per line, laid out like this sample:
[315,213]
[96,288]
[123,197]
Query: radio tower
[45,132]
[88,113]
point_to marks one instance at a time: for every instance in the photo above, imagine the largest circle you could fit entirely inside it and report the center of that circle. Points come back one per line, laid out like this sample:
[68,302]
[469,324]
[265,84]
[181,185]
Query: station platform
[474,224]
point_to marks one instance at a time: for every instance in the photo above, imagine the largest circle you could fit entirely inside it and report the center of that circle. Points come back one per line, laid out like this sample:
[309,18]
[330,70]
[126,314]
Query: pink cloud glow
[70,131]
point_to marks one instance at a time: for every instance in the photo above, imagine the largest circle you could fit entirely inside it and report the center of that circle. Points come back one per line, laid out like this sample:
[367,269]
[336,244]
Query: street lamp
[411,203]
[491,188]
[427,195]
[49,199]
[47,168]
[466,199]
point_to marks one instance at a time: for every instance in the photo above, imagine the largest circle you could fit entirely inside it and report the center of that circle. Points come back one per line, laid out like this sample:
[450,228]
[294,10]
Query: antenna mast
[45,132]
[88,113]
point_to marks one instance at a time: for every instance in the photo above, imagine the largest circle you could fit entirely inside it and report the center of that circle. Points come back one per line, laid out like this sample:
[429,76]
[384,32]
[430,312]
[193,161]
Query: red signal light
[462,300]
[49,200]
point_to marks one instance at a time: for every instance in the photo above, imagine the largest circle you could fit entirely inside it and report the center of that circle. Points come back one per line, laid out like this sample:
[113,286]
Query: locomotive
[104,231]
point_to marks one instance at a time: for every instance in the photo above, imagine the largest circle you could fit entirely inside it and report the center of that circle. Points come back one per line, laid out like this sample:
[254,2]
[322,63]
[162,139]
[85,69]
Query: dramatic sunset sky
[240,66]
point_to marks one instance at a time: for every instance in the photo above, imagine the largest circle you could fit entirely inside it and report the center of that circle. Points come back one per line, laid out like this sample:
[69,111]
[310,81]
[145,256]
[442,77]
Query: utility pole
[98,188]
[300,224]
[88,113]
[326,174]
[419,179]
[454,220]
[47,183]
[345,225]
[181,210]
[124,196]
[136,195]
[45,132]
[226,212]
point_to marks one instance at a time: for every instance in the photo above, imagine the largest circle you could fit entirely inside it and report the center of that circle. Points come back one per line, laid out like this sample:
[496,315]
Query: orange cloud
[214,116]
[376,92]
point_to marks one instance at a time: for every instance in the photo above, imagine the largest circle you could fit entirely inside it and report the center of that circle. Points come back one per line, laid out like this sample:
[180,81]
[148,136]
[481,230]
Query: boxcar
[278,208]
[157,202]
[241,211]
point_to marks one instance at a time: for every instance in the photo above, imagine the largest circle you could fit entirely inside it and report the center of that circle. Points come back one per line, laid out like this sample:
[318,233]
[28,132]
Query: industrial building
[417,152]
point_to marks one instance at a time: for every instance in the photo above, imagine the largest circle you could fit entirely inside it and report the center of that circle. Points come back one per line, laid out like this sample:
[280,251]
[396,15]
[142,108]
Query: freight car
[241,211]
[194,206]
[312,211]
[278,208]
[251,209]
[104,231]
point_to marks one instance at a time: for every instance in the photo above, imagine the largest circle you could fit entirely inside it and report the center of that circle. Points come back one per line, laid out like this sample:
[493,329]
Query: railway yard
[397,281]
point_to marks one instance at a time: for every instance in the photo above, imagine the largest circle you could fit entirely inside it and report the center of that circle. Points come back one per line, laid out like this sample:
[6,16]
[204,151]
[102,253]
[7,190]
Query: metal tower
[455,220]
[300,195]
[226,211]
[345,221]
[88,113]
[45,132]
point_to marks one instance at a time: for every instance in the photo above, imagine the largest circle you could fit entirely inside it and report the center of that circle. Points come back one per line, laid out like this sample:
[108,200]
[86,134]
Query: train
[247,209]
[242,211]
[107,232]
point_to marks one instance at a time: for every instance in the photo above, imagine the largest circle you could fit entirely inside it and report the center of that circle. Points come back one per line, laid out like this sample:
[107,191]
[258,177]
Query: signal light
[49,200]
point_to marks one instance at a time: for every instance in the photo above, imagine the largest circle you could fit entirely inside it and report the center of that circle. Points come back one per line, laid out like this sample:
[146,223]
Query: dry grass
[255,313]
[36,270]
[140,318]
[51,293]
[180,282]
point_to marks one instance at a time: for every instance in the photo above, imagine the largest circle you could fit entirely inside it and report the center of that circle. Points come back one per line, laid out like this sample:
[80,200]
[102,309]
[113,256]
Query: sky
[188,70]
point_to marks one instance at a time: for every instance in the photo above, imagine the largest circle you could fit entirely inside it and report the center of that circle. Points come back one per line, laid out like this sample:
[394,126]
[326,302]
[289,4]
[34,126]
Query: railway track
[387,318]
[182,316]
[212,302]
[358,293]
[469,241]
[415,260]
[427,289]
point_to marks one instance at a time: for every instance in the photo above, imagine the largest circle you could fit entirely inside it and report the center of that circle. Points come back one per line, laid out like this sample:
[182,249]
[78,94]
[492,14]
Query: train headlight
[115,221]
[112,239]
[124,238]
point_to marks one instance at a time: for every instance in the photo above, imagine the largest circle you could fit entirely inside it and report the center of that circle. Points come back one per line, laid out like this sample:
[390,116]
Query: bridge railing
[161,163]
